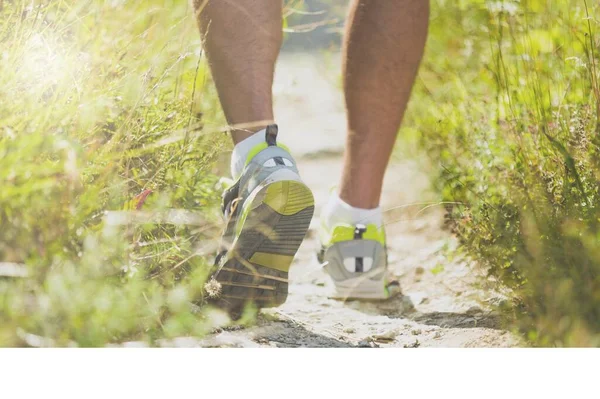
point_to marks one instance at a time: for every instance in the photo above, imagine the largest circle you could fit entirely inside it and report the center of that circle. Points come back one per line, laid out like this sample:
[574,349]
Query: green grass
[508,106]
[100,101]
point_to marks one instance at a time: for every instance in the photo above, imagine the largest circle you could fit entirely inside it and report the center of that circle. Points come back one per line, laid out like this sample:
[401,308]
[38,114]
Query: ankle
[243,131]
[338,211]
[360,197]
[242,150]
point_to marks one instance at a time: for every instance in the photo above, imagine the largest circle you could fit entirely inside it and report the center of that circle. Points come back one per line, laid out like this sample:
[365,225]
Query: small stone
[349,330]
[498,302]
[419,270]
[387,337]
[367,344]
[437,335]
[416,332]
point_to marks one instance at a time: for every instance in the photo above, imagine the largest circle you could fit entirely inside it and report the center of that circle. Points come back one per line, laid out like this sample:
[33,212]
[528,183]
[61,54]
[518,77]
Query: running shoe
[268,211]
[355,257]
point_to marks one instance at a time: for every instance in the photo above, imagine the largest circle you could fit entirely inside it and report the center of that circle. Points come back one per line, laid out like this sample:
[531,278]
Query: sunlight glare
[43,63]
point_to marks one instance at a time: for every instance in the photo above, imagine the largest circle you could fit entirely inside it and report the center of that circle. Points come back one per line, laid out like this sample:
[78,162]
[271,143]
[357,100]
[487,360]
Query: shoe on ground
[355,257]
[268,211]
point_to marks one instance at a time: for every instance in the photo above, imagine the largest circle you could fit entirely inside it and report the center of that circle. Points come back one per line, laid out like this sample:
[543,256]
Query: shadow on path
[277,333]
[403,308]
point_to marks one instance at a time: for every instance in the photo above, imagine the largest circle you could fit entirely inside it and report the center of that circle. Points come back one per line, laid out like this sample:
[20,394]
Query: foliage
[100,106]
[99,102]
[509,103]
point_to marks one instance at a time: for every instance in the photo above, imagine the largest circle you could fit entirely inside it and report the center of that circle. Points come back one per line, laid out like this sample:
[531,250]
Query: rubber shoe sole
[364,288]
[274,224]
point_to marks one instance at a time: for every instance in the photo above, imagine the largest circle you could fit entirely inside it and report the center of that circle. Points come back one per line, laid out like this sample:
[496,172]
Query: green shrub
[509,103]
[99,102]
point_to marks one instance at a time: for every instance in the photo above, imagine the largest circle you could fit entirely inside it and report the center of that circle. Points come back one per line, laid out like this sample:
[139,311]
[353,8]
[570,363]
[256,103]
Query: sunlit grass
[103,101]
[89,95]
[507,105]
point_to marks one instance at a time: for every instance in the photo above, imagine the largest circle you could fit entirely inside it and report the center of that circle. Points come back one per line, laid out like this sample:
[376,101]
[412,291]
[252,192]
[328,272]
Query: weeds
[106,107]
[99,103]
[514,123]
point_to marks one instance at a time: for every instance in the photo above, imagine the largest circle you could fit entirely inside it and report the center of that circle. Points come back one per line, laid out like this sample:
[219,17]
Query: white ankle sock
[337,211]
[241,151]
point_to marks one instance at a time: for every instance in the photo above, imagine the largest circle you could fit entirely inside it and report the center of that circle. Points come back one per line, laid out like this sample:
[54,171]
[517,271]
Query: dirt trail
[441,306]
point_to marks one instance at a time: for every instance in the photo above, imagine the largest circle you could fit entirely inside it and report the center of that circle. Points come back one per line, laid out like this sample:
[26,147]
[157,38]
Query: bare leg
[384,44]
[242,39]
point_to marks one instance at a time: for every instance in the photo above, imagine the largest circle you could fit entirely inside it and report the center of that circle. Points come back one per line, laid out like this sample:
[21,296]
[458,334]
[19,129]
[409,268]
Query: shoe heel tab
[271,132]
[271,135]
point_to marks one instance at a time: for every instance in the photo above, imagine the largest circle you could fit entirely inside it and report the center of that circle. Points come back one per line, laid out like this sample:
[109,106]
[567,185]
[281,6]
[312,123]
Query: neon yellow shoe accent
[255,150]
[288,197]
[258,148]
[285,147]
[345,232]
[272,261]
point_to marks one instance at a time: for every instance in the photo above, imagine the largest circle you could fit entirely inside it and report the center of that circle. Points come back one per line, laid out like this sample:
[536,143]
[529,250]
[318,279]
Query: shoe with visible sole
[355,257]
[268,212]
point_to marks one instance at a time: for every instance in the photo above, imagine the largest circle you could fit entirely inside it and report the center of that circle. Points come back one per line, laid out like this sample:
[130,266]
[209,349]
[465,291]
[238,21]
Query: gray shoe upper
[258,170]
[270,164]
[355,258]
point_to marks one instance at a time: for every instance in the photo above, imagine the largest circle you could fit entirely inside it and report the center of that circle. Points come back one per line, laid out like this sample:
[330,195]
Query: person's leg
[383,47]
[268,208]
[382,51]
[242,39]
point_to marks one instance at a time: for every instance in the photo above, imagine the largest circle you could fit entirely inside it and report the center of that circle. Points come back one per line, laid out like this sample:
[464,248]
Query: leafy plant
[93,113]
[509,105]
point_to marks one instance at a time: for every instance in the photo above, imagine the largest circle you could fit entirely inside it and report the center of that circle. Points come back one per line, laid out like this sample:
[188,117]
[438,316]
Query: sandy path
[441,306]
